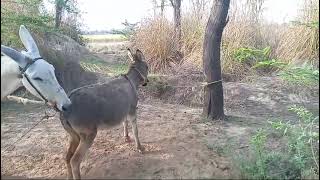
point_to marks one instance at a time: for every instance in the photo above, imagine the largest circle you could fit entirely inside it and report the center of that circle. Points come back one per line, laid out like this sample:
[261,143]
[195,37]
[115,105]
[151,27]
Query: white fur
[29,43]
[9,76]
[49,86]
[40,73]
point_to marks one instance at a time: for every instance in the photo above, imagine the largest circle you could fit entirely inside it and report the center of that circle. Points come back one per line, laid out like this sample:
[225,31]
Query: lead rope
[92,85]
[132,85]
[23,70]
[96,84]
[36,124]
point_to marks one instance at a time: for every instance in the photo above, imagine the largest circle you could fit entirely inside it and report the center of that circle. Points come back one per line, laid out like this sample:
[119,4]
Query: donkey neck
[134,76]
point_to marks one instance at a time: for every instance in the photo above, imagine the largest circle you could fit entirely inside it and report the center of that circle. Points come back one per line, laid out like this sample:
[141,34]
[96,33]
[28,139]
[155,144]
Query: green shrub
[296,159]
[251,55]
[22,12]
[258,59]
[31,14]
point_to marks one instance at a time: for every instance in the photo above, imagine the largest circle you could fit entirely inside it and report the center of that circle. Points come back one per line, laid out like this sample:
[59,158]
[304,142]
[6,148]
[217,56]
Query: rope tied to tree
[202,84]
[210,83]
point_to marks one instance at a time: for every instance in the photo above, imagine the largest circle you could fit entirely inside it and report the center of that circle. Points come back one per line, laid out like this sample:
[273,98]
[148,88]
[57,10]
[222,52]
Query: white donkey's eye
[38,79]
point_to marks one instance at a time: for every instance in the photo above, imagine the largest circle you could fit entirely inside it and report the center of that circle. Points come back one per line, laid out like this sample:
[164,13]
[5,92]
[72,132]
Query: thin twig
[241,147]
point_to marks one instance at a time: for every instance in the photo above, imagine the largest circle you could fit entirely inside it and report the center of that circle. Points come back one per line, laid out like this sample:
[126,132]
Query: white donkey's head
[37,74]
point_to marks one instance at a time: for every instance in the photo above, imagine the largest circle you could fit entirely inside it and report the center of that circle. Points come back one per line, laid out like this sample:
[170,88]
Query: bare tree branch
[24,100]
[172,3]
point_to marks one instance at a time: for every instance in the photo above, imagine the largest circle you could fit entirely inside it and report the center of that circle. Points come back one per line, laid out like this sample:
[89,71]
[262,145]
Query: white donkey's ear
[28,42]
[130,55]
[15,55]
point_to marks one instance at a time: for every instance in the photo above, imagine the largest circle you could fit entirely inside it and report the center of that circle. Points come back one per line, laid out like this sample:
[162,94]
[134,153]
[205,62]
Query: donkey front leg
[133,120]
[74,142]
[86,140]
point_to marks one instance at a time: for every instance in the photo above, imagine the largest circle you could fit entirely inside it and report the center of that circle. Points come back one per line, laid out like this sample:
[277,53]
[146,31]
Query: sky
[109,14]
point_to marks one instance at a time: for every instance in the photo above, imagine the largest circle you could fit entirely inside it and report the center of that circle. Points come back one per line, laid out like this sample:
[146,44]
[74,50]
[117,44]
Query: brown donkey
[103,105]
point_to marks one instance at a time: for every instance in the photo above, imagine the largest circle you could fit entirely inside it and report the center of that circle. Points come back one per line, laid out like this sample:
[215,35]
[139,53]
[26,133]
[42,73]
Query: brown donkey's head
[139,65]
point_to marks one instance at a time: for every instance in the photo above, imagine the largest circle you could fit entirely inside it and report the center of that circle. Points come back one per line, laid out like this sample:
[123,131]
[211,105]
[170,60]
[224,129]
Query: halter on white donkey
[36,74]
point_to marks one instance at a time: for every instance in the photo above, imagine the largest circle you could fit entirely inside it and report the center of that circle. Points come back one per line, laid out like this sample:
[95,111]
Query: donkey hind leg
[125,131]
[133,120]
[86,140]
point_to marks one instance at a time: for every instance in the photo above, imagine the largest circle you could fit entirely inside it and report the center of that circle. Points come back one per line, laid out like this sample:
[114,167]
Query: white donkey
[29,69]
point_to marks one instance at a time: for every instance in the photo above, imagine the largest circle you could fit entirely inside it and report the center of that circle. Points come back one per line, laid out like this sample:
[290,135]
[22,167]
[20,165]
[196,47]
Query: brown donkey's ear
[130,55]
[139,55]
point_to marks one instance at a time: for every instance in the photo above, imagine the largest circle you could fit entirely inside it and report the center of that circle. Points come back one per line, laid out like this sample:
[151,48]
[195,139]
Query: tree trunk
[58,14]
[177,21]
[155,6]
[213,100]
[176,4]
[162,8]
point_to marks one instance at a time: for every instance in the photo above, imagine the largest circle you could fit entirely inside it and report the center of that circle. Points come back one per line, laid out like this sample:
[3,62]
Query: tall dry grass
[192,39]
[246,29]
[155,38]
[300,41]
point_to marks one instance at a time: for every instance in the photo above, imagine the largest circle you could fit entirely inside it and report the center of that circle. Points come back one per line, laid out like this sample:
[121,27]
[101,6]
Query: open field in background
[104,38]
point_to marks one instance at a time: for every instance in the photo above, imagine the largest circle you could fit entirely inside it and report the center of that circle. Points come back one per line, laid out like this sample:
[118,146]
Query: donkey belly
[102,111]
[113,118]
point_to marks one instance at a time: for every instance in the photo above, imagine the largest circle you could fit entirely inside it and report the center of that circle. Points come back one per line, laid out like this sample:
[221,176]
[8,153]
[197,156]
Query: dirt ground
[178,142]
[174,138]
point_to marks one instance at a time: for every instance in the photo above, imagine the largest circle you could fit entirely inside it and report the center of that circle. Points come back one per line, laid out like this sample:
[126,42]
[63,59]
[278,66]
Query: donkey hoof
[141,149]
[127,139]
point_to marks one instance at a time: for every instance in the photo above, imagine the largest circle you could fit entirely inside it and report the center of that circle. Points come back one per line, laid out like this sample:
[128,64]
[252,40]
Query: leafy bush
[258,59]
[32,14]
[251,55]
[297,159]
[22,12]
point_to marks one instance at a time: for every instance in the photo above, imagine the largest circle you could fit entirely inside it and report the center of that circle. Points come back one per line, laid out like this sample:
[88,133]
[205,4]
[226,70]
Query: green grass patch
[304,75]
[95,64]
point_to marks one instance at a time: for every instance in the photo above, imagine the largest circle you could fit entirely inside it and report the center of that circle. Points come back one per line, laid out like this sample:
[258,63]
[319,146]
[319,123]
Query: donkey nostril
[65,107]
